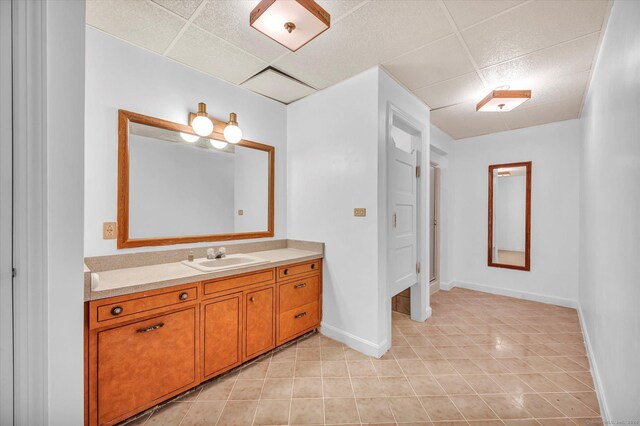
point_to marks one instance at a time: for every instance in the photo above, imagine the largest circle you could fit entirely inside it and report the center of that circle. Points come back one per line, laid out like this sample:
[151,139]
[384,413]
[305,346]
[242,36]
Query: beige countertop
[118,282]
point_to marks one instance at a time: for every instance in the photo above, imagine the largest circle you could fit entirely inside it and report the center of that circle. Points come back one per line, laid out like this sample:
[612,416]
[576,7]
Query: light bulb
[217,144]
[232,132]
[202,125]
[187,137]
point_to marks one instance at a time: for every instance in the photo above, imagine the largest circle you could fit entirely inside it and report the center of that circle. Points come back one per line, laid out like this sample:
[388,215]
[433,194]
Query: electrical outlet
[109,230]
[359,212]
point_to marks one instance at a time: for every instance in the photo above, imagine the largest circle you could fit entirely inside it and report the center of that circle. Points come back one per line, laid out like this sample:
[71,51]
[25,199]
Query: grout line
[184,27]
[227,400]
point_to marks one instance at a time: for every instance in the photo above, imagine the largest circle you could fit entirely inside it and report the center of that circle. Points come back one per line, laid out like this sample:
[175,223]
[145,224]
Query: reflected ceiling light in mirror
[218,144]
[503,100]
[504,174]
[233,133]
[292,23]
[187,137]
[201,124]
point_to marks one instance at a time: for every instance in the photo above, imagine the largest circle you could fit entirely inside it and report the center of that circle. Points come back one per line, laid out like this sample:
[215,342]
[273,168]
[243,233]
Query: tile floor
[480,359]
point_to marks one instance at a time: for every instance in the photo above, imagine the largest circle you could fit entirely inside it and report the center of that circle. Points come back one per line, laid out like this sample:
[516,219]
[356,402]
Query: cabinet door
[259,322]
[144,361]
[222,318]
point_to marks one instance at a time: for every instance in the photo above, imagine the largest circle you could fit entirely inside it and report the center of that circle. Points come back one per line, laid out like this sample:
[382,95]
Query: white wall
[554,150]
[122,76]
[64,202]
[332,164]
[610,212]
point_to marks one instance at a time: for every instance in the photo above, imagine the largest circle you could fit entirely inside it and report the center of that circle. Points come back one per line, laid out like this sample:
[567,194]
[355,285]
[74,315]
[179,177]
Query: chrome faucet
[216,254]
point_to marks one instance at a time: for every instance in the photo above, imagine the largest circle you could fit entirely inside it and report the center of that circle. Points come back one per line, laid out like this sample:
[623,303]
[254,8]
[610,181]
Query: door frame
[420,309]
[6,217]
[434,284]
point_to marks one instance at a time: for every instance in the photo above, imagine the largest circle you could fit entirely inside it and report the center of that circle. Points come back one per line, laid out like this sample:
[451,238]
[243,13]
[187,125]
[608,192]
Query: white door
[403,193]
[6,207]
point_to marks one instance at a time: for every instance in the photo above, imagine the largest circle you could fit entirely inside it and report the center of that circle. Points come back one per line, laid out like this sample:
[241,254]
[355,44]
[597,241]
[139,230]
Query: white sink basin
[229,262]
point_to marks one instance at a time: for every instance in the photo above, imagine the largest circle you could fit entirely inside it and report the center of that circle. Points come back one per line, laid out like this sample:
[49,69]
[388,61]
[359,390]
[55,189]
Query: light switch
[241,212]
[360,212]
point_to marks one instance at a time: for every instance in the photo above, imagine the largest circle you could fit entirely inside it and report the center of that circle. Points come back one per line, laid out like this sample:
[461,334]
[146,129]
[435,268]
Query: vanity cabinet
[144,348]
[222,334]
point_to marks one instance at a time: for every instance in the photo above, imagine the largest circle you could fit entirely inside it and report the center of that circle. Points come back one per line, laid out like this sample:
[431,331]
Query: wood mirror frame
[123,240]
[527,225]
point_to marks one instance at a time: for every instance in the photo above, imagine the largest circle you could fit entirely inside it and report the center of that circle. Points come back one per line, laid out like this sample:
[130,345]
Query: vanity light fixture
[503,100]
[292,23]
[202,124]
[233,133]
[188,137]
[504,174]
[218,144]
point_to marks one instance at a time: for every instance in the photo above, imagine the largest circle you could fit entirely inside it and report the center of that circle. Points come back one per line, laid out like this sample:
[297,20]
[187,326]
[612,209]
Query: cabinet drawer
[299,292]
[222,284]
[135,306]
[141,363]
[285,272]
[297,320]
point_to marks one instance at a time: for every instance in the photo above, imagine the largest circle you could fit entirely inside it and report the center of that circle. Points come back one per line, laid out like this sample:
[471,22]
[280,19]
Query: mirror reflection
[182,185]
[509,215]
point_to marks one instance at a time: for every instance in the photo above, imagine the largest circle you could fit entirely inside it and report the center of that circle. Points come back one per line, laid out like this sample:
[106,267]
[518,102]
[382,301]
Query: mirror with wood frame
[510,216]
[175,187]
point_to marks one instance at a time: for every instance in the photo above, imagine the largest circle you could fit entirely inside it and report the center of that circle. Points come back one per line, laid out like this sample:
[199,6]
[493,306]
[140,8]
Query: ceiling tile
[278,86]
[544,65]
[462,121]
[438,61]
[566,109]
[377,31]
[139,22]
[184,8]
[562,87]
[469,12]
[533,26]
[229,19]
[337,9]
[208,53]
[465,88]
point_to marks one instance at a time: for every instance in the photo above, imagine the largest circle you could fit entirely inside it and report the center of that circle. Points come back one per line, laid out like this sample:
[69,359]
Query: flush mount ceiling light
[292,23]
[202,124]
[503,100]
[233,133]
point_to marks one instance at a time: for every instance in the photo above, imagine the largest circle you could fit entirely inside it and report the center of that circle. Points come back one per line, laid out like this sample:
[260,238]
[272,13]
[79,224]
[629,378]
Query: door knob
[117,310]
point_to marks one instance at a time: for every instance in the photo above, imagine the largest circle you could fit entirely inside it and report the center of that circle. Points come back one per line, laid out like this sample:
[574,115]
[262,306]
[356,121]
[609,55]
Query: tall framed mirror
[175,187]
[509,242]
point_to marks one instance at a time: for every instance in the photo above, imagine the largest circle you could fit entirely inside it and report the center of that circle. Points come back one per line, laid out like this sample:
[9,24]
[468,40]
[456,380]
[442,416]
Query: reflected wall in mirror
[510,216]
[175,187]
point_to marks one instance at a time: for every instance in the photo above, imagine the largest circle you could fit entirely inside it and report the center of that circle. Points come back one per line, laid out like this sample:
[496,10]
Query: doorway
[407,207]
[434,228]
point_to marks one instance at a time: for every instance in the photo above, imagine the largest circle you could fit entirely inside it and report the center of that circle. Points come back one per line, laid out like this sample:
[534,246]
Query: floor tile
[473,407]
[340,411]
[203,413]
[272,412]
[238,413]
[307,387]
[307,411]
[336,387]
[440,408]
[407,409]
[374,410]
[277,389]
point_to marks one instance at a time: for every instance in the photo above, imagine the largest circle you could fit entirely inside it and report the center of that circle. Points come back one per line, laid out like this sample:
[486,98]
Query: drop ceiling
[449,53]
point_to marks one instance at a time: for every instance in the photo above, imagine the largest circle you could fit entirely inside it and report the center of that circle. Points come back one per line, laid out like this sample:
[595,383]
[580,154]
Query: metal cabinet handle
[153,327]
[184,296]
[252,299]
[313,266]
[300,315]
[116,310]
[286,272]
[301,285]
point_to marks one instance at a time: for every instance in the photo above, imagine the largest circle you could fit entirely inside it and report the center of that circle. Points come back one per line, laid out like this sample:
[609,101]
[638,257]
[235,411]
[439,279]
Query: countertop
[118,282]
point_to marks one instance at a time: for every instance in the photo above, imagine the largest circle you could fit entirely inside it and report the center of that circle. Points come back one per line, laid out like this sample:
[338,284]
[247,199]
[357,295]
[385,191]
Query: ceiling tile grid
[449,53]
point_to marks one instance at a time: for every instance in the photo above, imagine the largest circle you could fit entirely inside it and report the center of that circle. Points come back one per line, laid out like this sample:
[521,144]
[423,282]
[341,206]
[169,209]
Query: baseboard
[595,374]
[535,297]
[429,313]
[434,287]
[355,342]
[447,286]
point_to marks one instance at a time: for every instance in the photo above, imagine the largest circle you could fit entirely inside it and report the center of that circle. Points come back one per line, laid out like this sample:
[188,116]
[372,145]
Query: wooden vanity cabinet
[147,347]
